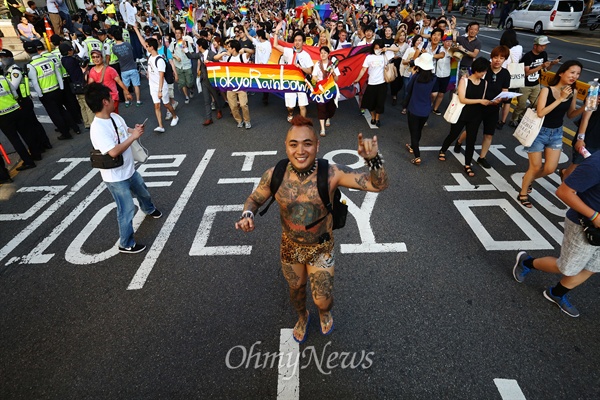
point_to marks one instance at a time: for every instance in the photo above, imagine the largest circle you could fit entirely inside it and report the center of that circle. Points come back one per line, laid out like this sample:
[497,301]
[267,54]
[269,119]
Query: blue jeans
[122,193]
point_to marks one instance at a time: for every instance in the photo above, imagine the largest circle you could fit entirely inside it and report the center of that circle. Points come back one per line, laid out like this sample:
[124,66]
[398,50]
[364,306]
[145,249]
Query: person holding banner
[324,68]
[556,100]
[374,97]
[301,59]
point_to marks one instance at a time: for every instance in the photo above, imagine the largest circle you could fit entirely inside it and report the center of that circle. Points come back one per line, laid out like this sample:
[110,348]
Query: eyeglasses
[96,56]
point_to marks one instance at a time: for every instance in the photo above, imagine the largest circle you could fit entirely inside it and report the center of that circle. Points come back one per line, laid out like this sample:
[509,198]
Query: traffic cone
[49,31]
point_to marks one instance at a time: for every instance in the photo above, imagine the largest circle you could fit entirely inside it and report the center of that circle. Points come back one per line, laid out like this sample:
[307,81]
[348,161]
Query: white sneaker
[187,101]
[175,121]
[159,129]
[240,124]
[248,126]
[212,106]
[175,105]
[169,115]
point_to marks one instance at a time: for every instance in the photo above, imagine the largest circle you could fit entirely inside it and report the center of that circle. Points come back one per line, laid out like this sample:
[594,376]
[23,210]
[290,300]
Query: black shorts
[490,119]
[441,85]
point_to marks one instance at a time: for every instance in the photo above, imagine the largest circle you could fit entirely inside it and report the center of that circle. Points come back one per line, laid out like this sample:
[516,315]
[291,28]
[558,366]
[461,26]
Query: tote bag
[390,73]
[140,154]
[528,128]
[454,109]
[517,75]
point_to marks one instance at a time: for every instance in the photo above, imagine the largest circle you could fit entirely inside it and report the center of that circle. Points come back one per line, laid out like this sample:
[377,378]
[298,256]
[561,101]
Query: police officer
[13,123]
[20,83]
[89,43]
[46,79]
[69,100]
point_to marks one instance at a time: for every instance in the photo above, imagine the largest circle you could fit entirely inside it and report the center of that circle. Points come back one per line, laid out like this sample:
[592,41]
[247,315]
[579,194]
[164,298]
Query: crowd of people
[100,47]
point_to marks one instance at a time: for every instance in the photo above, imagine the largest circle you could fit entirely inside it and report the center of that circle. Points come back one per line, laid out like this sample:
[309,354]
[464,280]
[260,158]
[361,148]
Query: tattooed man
[307,254]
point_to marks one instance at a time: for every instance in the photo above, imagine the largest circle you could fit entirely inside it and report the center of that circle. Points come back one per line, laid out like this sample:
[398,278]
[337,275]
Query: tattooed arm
[255,200]
[375,180]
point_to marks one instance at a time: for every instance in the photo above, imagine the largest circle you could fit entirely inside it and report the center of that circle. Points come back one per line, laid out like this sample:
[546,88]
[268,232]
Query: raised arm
[375,180]
[276,44]
[254,201]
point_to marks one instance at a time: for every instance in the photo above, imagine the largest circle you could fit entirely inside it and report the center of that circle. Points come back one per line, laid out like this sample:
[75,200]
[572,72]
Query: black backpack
[338,210]
[169,75]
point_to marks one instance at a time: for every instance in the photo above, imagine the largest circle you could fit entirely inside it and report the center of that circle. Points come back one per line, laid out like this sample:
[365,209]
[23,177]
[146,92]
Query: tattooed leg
[295,275]
[321,286]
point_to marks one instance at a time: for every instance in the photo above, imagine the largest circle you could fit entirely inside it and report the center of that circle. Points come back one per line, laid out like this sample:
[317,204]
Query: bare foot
[300,328]
[326,322]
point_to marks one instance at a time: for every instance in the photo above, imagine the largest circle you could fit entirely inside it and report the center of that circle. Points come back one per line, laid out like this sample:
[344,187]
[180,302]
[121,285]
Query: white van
[546,15]
[381,3]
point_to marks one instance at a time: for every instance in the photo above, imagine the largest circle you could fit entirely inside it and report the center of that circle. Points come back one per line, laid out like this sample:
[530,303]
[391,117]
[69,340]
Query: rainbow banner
[268,78]
[243,10]
[189,21]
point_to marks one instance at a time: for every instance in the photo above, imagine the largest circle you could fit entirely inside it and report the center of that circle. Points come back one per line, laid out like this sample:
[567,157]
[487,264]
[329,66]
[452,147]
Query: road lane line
[509,389]
[160,242]
[588,60]
[21,236]
[288,379]
[593,52]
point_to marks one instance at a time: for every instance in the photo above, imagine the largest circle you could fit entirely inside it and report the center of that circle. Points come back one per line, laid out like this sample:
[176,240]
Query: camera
[83,62]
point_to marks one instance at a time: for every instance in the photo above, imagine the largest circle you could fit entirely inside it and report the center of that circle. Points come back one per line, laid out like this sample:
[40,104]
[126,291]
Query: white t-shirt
[318,74]
[154,67]
[442,66]
[406,70]
[302,58]
[375,63]
[262,52]
[516,53]
[104,138]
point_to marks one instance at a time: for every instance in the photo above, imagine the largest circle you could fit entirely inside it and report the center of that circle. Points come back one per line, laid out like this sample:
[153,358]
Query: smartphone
[558,57]
[144,123]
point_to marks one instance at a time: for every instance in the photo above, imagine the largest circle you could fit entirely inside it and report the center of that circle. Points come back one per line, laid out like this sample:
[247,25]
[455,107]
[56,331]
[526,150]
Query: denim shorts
[548,138]
[131,77]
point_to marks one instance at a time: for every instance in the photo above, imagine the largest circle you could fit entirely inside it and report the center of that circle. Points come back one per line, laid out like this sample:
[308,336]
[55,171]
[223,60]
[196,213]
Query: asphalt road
[424,297]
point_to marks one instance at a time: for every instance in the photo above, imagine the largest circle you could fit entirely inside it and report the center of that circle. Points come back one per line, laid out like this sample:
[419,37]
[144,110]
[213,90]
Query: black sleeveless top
[554,119]
[473,111]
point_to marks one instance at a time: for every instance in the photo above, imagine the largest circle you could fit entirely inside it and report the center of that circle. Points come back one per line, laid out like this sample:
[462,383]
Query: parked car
[547,15]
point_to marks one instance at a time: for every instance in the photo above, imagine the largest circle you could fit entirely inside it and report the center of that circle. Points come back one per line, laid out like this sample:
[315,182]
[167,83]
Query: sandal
[410,150]
[441,156]
[529,189]
[416,161]
[469,171]
[327,122]
[524,200]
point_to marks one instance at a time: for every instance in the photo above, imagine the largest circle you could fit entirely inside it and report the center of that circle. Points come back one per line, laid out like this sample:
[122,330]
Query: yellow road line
[585,42]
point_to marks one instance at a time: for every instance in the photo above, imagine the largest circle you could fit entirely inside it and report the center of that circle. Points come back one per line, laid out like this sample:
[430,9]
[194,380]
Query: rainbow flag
[243,10]
[453,74]
[189,21]
[324,10]
[372,3]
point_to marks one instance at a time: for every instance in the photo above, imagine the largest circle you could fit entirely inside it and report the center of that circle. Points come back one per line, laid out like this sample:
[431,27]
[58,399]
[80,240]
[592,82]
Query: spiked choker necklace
[303,174]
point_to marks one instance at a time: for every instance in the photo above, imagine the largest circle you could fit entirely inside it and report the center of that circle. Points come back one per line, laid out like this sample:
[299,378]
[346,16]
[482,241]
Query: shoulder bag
[105,161]
[517,75]
[529,127]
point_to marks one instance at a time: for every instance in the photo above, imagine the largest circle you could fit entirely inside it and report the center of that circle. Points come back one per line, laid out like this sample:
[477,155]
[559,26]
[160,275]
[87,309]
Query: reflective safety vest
[24,90]
[57,56]
[113,57]
[8,103]
[92,44]
[45,71]
[126,36]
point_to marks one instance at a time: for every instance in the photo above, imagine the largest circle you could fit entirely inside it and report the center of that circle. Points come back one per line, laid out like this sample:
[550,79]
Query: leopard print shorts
[318,255]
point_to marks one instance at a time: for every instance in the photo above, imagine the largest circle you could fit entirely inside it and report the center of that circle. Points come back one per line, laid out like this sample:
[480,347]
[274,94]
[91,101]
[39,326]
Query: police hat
[30,47]
[38,45]
[87,30]
[101,32]
[6,53]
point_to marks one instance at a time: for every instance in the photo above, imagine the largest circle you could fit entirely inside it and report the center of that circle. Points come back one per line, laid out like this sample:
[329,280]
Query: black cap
[55,39]
[64,48]
[101,32]
[87,30]
[6,53]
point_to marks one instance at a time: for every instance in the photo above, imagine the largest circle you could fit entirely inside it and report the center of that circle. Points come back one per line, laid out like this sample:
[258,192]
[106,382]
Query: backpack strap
[276,179]
[323,188]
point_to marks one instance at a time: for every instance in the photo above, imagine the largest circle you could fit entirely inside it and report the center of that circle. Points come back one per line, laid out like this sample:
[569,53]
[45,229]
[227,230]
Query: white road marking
[593,52]
[509,389]
[367,115]
[249,157]
[157,247]
[225,181]
[288,379]
[73,162]
[44,119]
[199,247]
[43,217]
[52,192]
[536,240]
[588,60]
